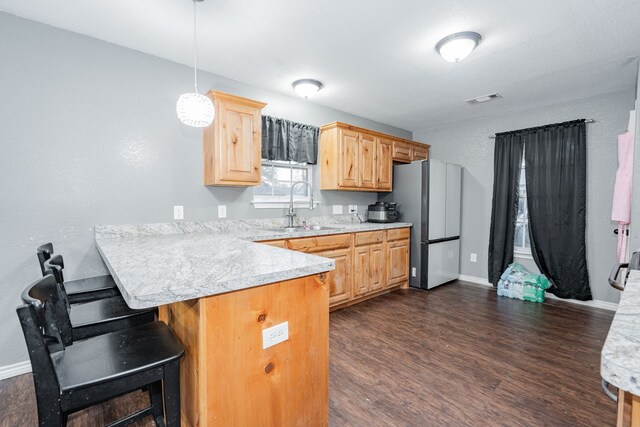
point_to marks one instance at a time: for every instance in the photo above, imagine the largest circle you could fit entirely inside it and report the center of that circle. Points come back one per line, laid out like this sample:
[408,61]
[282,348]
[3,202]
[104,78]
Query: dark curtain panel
[555,170]
[504,206]
[290,141]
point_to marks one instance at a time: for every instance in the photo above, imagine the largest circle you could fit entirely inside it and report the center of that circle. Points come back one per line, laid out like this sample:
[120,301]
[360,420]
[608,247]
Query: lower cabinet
[397,262]
[369,268]
[340,289]
[366,262]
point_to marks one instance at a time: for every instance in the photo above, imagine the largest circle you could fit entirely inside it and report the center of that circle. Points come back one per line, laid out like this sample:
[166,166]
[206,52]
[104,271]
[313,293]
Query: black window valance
[290,141]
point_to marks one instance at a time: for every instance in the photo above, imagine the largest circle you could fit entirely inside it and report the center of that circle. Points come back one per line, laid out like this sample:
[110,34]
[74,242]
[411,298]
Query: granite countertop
[156,264]
[620,359]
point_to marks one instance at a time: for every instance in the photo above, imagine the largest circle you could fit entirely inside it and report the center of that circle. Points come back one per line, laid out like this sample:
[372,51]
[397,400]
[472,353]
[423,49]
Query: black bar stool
[70,378]
[88,319]
[82,290]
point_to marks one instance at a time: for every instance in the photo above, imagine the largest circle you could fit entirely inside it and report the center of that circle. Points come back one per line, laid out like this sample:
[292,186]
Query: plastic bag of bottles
[517,282]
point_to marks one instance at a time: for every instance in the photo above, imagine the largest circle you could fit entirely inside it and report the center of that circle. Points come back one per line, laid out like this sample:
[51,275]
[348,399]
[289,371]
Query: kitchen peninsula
[620,360]
[219,291]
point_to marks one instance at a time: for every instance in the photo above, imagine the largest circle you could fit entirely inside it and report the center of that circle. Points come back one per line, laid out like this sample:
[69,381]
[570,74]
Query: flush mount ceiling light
[458,46]
[307,87]
[195,109]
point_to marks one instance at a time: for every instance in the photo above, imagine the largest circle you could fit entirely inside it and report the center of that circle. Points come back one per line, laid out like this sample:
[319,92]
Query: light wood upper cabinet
[367,161]
[419,152]
[385,164]
[232,143]
[401,152]
[358,159]
[349,158]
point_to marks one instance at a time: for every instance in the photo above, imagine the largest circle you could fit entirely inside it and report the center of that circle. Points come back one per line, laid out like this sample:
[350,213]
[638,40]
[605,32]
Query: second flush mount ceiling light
[307,87]
[458,46]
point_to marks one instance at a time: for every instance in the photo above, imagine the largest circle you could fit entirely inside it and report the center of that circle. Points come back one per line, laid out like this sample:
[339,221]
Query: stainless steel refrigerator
[428,194]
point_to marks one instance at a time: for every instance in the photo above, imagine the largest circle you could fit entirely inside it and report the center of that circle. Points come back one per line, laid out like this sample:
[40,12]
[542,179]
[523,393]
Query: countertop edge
[620,345]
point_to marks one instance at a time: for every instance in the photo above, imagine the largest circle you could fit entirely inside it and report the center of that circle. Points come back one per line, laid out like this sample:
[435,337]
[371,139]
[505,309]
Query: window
[277,178]
[521,244]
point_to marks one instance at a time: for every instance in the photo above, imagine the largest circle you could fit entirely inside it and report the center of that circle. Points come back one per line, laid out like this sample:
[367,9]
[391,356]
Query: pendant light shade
[458,46]
[194,109]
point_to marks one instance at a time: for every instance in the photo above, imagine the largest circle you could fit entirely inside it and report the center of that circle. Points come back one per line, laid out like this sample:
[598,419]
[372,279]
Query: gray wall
[467,144]
[90,135]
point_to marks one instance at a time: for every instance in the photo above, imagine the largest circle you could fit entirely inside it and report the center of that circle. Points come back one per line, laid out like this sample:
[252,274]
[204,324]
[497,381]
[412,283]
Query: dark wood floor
[457,355]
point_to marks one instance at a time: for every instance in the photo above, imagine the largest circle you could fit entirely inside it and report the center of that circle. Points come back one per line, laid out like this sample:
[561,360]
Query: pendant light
[458,46]
[195,109]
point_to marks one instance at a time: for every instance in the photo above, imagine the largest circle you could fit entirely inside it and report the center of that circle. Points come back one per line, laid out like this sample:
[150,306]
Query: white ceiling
[377,58]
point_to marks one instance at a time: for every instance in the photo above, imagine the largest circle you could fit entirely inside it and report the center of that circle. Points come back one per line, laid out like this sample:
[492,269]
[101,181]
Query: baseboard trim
[605,305]
[14,370]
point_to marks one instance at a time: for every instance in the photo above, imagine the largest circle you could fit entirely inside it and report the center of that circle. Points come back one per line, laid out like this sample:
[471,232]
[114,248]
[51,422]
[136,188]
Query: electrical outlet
[275,335]
[337,209]
[353,209]
[178,212]
[222,211]
[474,258]
[414,272]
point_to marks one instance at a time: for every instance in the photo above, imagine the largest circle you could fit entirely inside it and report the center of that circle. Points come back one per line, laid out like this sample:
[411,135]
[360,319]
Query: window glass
[277,178]
[521,242]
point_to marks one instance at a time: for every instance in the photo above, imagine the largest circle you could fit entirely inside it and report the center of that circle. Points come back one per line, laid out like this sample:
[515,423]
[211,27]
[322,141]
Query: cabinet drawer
[420,153]
[320,243]
[401,152]
[398,233]
[276,243]
[369,238]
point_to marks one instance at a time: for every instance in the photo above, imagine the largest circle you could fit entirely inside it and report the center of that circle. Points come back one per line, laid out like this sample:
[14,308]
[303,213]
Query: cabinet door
[397,262]
[367,168]
[419,152]
[362,277]
[401,152]
[340,289]
[376,268]
[385,164]
[240,143]
[348,158]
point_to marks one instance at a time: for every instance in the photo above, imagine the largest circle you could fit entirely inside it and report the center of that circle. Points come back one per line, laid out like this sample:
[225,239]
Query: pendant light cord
[195,50]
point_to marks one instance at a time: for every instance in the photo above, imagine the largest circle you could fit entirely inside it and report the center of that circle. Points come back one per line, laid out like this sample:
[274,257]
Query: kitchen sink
[299,229]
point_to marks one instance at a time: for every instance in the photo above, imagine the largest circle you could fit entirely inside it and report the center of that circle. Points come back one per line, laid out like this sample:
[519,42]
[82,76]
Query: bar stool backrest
[53,266]
[44,252]
[42,336]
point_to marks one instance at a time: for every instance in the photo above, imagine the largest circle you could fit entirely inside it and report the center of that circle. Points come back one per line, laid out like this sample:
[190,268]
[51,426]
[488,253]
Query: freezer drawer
[443,262]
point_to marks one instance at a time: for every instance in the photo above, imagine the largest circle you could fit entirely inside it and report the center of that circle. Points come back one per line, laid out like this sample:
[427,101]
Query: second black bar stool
[82,290]
[85,320]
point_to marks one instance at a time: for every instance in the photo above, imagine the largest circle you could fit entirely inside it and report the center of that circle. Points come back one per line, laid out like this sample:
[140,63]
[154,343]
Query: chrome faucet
[291,213]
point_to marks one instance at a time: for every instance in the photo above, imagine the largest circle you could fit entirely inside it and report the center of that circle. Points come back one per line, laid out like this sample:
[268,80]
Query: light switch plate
[222,211]
[178,212]
[275,335]
[414,272]
[474,258]
[337,209]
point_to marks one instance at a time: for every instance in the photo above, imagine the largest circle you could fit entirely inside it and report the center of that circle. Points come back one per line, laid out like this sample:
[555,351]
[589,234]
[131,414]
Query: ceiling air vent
[483,98]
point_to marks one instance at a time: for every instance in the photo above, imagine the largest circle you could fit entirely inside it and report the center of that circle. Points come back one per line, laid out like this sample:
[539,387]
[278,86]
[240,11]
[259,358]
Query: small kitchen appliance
[382,212]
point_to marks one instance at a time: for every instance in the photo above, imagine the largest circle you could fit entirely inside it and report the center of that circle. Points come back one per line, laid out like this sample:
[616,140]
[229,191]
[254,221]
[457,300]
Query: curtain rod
[585,120]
